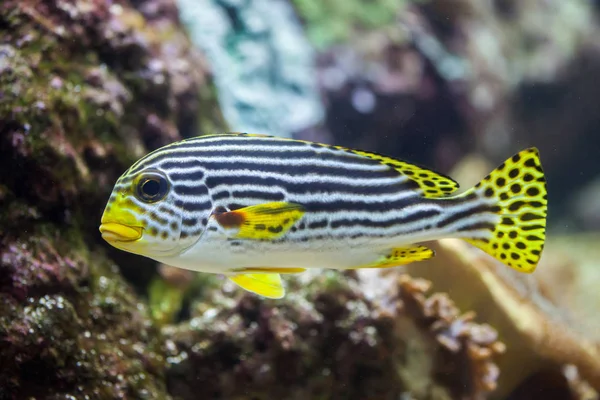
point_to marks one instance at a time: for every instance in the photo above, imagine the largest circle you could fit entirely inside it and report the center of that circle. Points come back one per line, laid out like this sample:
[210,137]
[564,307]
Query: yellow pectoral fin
[266,285]
[261,222]
[401,256]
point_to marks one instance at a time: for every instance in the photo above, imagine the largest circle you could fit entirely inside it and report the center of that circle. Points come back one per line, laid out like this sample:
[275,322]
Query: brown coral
[467,351]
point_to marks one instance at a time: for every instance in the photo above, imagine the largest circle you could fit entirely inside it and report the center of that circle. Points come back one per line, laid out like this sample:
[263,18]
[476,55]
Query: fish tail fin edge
[518,188]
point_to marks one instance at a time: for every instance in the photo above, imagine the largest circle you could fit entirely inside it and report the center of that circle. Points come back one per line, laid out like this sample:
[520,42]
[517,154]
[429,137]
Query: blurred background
[89,86]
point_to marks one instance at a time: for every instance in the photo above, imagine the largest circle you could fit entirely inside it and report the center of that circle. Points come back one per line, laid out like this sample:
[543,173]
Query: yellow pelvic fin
[261,222]
[401,256]
[432,184]
[519,188]
[266,285]
[259,270]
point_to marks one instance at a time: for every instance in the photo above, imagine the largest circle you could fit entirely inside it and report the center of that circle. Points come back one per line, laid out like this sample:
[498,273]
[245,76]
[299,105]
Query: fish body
[252,207]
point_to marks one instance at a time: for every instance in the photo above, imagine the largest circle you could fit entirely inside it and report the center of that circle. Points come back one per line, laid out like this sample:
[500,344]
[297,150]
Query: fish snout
[115,232]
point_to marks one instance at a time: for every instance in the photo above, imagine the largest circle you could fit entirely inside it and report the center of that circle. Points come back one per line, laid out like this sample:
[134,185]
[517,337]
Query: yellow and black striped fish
[253,207]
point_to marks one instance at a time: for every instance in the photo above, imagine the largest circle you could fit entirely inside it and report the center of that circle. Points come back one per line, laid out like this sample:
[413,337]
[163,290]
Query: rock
[86,87]
[326,339]
[70,327]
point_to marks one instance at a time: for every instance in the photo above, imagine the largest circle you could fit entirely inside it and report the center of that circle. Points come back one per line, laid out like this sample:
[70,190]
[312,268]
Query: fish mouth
[115,232]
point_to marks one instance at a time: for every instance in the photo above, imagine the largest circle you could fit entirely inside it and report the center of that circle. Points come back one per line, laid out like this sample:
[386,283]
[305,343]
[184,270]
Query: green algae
[164,300]
[332,22]
[210,117]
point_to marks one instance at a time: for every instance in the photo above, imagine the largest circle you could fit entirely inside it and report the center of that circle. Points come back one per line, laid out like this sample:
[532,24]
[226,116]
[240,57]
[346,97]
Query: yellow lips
[113,232]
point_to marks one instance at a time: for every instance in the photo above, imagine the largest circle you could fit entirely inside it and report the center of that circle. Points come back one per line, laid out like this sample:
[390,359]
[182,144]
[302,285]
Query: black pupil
[151,188]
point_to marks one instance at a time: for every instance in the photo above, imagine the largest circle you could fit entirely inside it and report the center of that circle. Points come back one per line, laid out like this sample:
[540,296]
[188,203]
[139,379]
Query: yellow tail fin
[519,188]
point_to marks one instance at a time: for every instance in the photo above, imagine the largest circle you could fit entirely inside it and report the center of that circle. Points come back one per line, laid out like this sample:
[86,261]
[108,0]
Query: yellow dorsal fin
[432,184]
[401,256]
[266,285]
[261,222]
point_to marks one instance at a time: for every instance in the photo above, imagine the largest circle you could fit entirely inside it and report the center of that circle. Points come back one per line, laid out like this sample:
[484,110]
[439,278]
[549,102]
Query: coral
[88,86]
[555,383]
[570,280]
[467,349]
[327,340]
[168,291]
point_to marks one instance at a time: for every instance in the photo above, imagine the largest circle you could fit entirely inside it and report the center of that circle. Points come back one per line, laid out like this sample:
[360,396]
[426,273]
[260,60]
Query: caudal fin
[518,188]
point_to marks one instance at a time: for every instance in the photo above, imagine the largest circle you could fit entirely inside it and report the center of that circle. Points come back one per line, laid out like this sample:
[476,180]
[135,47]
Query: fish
[253,207]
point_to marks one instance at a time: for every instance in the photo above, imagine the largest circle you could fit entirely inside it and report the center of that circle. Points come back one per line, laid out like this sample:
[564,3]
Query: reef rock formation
[325,339]
[86,87]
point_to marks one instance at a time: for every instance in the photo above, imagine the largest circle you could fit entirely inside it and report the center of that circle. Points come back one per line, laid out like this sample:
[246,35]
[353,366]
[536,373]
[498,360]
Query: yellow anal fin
[517,190]
[261,222]
[401,256]
[258,270]
[266,285]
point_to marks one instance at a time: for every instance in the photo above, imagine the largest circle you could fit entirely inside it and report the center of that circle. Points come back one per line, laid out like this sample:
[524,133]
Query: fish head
[146,216]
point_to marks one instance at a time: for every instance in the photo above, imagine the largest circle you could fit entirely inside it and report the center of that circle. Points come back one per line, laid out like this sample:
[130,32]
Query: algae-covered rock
[70,327]
[327,340]
[86,87]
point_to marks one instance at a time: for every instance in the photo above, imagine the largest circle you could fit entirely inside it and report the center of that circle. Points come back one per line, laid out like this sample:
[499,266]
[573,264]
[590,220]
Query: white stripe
[254,175]
[271,147]
[317,162]
[309,197]
[474,219]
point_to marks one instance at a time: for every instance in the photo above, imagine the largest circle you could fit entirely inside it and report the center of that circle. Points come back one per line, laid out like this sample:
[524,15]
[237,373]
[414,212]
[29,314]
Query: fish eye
[152,187]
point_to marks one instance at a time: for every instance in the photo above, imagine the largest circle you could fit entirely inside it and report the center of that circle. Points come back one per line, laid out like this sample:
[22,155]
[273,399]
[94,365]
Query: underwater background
[87,87]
